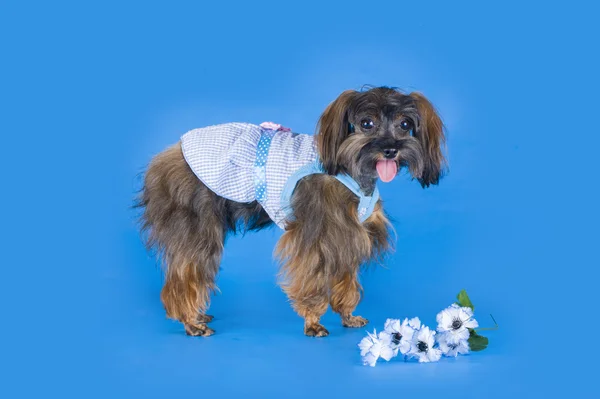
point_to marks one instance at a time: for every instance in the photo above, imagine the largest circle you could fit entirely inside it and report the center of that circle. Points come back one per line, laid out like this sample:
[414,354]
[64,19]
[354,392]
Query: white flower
[450,348]
[456,321]
[422,346]
[373,347]
[399,335]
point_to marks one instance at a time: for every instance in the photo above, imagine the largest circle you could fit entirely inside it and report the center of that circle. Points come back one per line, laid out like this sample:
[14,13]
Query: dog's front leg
[345,296]
[312,306]
[306,288]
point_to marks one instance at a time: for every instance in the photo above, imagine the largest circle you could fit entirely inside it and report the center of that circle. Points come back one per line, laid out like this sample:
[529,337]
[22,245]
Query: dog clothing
[244,162]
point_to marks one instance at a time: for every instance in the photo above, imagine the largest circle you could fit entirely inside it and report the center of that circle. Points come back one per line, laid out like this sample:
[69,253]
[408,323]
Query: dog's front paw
[315,330]
[198,330]
[354,321]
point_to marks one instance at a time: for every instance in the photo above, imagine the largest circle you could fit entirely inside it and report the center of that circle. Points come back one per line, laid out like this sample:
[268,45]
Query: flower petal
[392,325]
[471,323]
[386,353]
[468,311]
[415,323]
[463,347]
[446,319]
[438,317]
[462,334]
[404,346]
[433,355]
[386,338]
[365,345]
[370,359]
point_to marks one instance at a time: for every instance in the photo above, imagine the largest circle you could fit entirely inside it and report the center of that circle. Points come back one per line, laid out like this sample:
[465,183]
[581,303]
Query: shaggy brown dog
[324,244]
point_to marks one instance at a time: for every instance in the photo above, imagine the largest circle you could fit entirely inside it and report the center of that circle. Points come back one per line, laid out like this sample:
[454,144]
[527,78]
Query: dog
[321,189]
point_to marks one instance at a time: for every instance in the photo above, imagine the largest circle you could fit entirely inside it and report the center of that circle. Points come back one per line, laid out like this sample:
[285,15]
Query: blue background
[90,91]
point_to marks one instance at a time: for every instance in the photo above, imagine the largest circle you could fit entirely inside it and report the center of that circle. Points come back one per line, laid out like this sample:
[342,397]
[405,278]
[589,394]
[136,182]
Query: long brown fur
[332,128]
[323,249]
[324,244]
[186,224]
[433,139]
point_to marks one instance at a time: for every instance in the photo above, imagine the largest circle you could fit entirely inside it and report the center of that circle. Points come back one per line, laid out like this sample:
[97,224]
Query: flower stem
[496,326]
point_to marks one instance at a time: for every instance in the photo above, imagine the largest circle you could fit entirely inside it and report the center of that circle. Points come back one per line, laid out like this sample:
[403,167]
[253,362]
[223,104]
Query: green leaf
[463,300]
[477,342]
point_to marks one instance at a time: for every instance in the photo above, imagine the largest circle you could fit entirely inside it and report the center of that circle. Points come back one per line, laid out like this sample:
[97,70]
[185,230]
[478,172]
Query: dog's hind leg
[186,225]
[193,261]
[186,293]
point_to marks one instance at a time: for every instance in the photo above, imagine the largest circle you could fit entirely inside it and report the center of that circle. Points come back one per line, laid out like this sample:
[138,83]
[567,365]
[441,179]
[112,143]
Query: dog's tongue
[387,170]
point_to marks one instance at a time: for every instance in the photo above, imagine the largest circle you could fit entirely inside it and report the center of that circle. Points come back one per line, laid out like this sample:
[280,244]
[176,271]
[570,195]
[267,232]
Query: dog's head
[377,132]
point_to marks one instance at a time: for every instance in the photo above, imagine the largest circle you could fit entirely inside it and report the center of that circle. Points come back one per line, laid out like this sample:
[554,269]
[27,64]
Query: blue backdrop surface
[90,91]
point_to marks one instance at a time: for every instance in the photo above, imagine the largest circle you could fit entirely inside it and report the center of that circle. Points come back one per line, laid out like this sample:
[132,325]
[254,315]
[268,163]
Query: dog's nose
[390,153]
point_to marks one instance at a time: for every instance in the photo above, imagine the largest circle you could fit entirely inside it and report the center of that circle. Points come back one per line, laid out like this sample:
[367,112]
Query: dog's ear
[430,132]
[333,129]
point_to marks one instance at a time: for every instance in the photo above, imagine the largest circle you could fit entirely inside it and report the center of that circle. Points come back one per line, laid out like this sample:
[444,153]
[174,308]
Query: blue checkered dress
[244,162]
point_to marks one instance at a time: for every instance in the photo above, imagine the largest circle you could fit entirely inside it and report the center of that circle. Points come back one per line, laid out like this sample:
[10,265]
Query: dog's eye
[367,124]
[405,124]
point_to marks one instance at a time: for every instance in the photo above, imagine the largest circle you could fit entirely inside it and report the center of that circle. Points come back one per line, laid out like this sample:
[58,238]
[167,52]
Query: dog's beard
[359,156]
